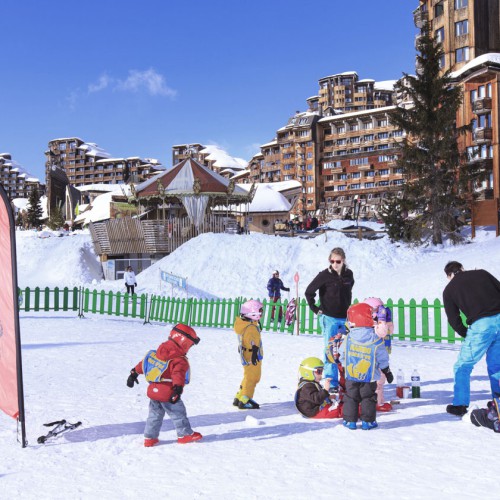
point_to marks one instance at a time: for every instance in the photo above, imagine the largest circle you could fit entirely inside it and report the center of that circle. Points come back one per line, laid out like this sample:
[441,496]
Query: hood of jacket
[169,350]
[240,325]
[363,335]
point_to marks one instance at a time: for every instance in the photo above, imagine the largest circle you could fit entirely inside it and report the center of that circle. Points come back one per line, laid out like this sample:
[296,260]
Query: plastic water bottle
[400,382]
[415,384]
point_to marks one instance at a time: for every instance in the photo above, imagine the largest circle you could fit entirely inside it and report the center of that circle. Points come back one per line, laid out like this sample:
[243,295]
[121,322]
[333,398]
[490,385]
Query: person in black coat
[476,294]
[334,285]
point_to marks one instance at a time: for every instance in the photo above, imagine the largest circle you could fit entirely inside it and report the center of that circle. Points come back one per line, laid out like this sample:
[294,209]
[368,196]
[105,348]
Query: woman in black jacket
[334,285]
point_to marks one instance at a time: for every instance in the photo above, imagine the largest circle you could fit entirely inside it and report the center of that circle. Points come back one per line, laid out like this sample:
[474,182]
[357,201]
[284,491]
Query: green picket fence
[424,322]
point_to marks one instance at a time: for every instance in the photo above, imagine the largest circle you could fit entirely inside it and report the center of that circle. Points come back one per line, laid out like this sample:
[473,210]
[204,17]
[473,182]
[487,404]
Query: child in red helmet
[364,357]
[167,371]
[247,327]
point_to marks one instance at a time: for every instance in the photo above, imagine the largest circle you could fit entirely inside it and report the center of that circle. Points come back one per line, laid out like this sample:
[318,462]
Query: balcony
[483,135]
[482,105]
[484,164]
[420,18]
[365,167]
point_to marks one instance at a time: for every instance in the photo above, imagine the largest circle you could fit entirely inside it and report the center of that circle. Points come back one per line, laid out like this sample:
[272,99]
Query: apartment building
[359,151]
[346,92]
[16,181]
[305,149]
[466,28]
[86,163]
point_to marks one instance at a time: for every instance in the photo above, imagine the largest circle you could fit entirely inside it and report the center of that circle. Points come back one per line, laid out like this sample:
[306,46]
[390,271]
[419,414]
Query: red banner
[11,390]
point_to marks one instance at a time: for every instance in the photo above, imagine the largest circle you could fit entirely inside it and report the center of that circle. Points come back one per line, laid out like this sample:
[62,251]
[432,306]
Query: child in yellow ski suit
[247,328]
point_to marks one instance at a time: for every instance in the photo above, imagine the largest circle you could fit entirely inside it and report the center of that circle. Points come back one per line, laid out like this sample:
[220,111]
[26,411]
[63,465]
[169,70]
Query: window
[309,178]
[341,188]
[397,182]
[340,130]
[369,184]
[442,61]
[353,127]
[370,173]
[488,90]
[384,171]
[439,35]
[438,9]
[481,91]
[309,155]
[355,186]
[460,4]
[367,125]
[462,27]
[462,54]
[383,183]
[356,175]
[358,161]
[383,135]
[382,123]
[341,142]
[309,167]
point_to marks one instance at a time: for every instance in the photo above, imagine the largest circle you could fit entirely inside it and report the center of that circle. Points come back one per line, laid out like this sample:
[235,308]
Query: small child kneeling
[311,399]
[363,357]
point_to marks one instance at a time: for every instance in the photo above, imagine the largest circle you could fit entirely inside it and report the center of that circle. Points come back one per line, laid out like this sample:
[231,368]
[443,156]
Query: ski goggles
[319,371]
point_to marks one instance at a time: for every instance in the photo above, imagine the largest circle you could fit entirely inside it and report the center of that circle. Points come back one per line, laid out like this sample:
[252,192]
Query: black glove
[389,375]
[135,284]
[286,289]
[255,355]
[177,391]
[133,377]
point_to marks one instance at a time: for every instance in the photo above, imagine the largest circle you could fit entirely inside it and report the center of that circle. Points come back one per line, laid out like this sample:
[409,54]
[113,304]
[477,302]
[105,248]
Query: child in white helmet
[384,328]
[312,399]
[248,328]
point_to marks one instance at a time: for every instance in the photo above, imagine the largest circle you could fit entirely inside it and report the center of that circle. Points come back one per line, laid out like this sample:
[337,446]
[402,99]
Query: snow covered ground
[76,369]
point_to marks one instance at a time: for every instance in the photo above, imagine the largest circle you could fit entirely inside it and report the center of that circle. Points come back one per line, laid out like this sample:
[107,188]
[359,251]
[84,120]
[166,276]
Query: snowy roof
[100,208]
[274,142]
[492,58]
[345,73]
[100,187]
[357,113]
[16,167]
[266,199]
[66,139]
[279,187]
[312,97]
[365,80]
[92,149]
[385,85]
[222,159]
[20,203]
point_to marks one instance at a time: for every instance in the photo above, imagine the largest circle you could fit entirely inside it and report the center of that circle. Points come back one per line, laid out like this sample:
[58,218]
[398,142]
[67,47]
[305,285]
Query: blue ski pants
[483,337]
[330,327]
[176,412]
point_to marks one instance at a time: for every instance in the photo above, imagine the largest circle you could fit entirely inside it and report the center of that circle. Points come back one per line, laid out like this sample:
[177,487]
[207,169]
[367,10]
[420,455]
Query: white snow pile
[229,266]
[43,259]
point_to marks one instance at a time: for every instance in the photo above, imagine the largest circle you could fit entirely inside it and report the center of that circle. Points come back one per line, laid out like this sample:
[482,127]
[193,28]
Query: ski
[60,427]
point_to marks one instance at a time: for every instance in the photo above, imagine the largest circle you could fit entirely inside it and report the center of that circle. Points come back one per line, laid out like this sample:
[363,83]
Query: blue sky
[138,77]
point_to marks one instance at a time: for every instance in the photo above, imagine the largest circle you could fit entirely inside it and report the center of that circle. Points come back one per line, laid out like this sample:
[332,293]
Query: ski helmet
[251,309]
[360,314]
[374,302]
[184,336]
[309,366]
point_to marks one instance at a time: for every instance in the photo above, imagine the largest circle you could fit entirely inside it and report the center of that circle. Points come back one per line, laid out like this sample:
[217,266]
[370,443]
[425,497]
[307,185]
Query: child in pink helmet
[383,329]
[248,328]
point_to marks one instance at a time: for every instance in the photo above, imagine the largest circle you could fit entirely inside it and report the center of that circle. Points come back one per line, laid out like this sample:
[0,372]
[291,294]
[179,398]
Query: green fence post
[437,321]
[65,306]
[46,299]
[94,301]
[401,320]
[144,308]
[102,302]
[37,299]
[425,320]
[86,300]
[118,303]
[77,295]
[126,299]
[135,298]
[413,320]
[110,303]
[56,298]
[27,298]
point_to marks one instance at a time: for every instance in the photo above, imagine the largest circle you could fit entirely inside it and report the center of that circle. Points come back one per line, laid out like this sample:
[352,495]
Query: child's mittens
[255,355]
[388,375]
[177,391]
[381,313]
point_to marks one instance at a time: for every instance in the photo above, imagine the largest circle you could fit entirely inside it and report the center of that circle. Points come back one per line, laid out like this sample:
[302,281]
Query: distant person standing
[477,295]
[274,287]
[130,280]
[335,294]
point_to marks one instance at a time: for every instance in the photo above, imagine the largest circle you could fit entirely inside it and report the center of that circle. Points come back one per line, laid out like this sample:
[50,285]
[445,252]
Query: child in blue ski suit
[364,356]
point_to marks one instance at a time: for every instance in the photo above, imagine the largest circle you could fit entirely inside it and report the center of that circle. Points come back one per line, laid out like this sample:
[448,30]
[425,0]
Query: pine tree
[56,219]
[438,181]
[35,211]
